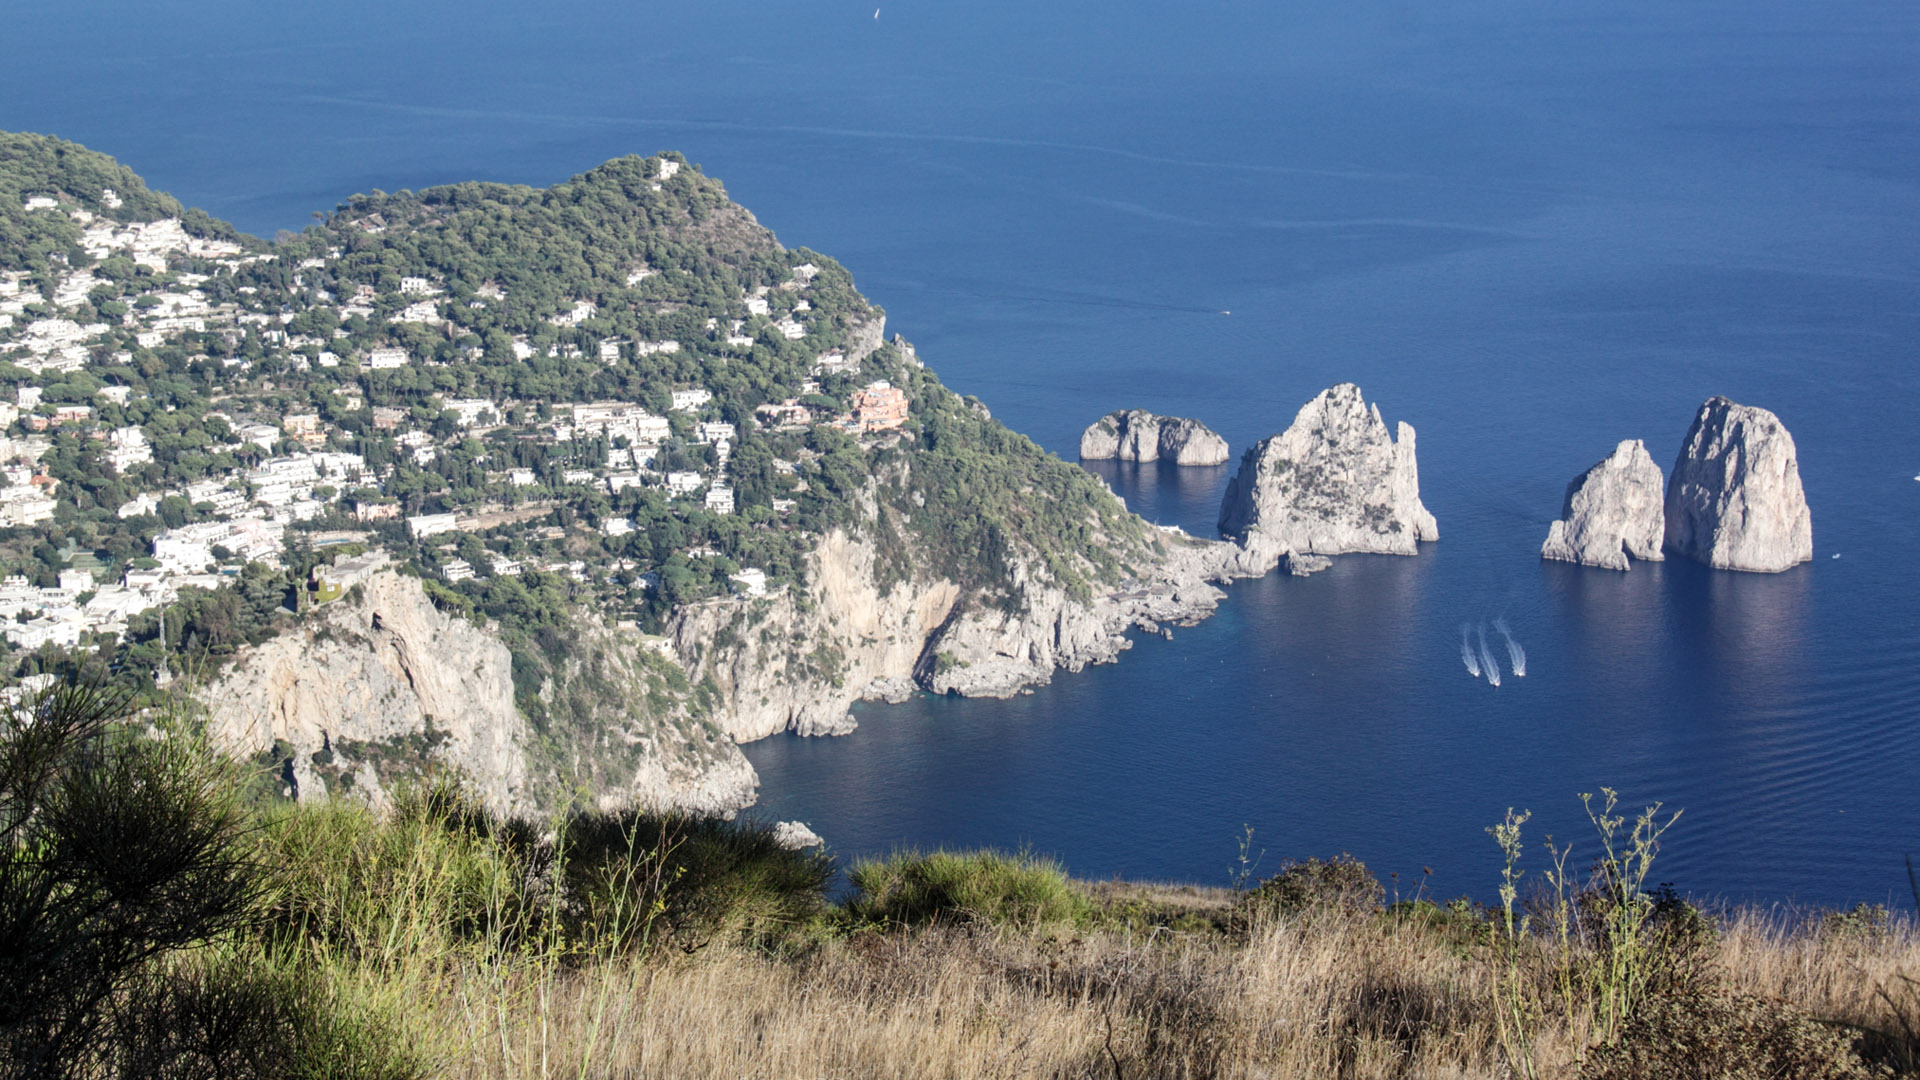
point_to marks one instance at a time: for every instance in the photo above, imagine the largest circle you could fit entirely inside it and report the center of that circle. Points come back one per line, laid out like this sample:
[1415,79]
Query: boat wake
[1516,655]
[1486,657]
[1466,653]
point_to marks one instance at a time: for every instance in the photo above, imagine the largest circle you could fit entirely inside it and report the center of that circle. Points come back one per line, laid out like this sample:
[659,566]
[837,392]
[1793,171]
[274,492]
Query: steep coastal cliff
[858,630]
[1334,482]
[1137,435]
[1613,510]
[1734,499]
[381,686]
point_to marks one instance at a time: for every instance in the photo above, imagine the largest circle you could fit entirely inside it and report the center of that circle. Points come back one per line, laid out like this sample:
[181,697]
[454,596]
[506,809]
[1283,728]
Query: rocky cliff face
[797,661]
[375,683]
[1136,435]
[1734,499]
[381,686]
[1612,510]
[1334,482]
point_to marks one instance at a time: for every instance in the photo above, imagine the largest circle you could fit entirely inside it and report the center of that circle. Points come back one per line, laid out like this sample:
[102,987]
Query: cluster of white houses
[246,514]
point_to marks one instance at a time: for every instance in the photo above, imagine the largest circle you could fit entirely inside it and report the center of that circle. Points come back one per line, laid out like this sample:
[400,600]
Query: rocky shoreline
[797,660]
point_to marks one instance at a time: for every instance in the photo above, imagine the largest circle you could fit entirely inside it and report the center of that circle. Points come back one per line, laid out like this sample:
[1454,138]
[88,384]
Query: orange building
[882,406]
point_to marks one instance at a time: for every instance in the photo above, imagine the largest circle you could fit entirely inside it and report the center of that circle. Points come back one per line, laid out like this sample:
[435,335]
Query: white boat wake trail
[1486,657]
[1515,654]
[1466,653]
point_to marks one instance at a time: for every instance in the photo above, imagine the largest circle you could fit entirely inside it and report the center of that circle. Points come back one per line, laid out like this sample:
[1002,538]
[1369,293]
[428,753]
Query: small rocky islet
[1140,436]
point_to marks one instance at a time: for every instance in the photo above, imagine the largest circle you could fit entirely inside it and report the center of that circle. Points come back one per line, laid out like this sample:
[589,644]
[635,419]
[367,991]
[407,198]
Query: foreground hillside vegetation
[155,921]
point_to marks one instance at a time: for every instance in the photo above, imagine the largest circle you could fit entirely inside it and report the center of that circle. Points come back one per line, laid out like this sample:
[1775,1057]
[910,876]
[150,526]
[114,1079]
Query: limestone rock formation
[795,835]
[1136,435]
[380,686]
[1334,482]
[1734,499]
[798,660]
[1612,510]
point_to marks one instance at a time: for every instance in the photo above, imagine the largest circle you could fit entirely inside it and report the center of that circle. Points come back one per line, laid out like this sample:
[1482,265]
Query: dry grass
[1316,997]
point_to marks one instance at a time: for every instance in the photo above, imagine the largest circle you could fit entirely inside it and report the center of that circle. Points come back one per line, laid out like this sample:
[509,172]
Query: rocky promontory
[1137,435]
[1612,510]
[1334,482]
[381,686]
[1734,499]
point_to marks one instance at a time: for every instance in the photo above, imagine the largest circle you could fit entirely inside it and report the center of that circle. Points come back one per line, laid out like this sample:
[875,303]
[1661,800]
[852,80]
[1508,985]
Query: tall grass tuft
[984,887]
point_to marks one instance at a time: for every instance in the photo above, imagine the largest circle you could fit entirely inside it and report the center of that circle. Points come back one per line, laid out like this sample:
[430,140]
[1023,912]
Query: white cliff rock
[1612,510]
[798,660]
[1334,482]
[1136,435]
[381,686]
[1734,500]
[383,675]
[795,835]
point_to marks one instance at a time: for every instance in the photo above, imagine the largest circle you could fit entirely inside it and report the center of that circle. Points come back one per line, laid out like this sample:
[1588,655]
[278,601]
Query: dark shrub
[636,878]
[1721,1036]
[1340,885]
[228,1020]
[115,849]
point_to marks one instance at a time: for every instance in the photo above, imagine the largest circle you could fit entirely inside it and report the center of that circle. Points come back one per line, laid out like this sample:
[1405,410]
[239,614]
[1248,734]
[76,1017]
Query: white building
[261,435]
[520,477]
[386,359]
[468,411]
[423,311]
[24,505]
[751,581]
[347,572]
[145,503]
[127,447]
[458,570]
[689,400]
[425,525]
[416,286]
[684,483]
[720,500]
[617,526]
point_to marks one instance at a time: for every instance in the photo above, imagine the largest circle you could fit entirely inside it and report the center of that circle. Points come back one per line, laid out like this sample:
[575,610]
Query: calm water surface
[1528,230]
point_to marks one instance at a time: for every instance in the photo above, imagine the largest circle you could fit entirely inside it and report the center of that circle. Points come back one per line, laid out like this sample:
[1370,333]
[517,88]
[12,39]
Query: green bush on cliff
[1022,891]
[128,887]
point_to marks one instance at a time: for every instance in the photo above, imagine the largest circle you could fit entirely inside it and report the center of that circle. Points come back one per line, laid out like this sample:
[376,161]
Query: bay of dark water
[1530,230]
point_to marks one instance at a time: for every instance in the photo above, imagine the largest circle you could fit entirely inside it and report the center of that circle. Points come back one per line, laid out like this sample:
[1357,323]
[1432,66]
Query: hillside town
[321,403]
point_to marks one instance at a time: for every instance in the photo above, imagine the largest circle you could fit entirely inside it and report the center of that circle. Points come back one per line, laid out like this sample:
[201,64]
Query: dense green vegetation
[42,165]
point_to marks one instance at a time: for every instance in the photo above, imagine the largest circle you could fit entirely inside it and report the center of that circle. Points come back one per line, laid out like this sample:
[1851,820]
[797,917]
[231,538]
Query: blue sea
[1530,230]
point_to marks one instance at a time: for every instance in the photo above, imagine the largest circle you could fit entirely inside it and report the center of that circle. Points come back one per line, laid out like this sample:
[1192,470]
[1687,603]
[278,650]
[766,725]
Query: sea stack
[1137,435]
[1734,500]
[1612,510]
[1334,482]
